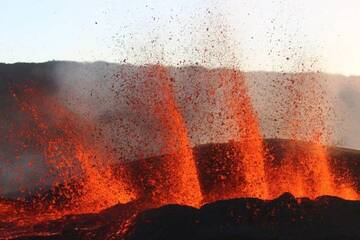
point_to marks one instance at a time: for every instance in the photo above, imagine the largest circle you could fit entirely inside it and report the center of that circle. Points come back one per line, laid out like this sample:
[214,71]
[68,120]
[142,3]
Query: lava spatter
[173,178]
[250,141]
[71,156]
[307,171]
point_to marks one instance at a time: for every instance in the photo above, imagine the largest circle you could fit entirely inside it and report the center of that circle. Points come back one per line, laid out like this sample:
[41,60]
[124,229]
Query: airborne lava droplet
[174,179]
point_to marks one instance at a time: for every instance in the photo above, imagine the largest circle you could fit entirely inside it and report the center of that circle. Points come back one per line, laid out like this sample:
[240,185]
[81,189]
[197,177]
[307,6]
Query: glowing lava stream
[177,180]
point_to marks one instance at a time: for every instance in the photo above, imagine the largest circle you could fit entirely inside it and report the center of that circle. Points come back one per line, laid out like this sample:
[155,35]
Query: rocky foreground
[286,217]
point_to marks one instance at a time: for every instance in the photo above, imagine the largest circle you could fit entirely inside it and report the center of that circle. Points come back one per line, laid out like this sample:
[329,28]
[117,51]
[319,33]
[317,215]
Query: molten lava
[249,145]
[174,179]
[307,172]
[89,178]
[245,169]
[71,155]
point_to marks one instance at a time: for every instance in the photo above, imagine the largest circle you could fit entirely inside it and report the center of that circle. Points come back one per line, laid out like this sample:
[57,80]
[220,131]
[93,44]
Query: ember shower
[137,142]
[88,170]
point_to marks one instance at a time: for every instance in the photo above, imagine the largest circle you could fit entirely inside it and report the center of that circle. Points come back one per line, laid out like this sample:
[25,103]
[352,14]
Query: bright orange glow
[249,145]
[306,172]
[176,180]
[70,154]
[88,180]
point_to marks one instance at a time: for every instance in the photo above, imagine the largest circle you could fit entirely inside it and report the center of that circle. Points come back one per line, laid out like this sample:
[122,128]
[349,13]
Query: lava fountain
[238,170]
[173,178]
[71,155]
[89,178]
[307,172]
[250,142]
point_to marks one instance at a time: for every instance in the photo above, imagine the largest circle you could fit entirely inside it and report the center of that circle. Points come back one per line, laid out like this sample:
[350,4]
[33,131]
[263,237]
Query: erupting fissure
[173,175]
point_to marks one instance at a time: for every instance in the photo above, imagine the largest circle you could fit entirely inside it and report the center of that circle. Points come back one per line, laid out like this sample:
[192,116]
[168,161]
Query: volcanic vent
[104,173]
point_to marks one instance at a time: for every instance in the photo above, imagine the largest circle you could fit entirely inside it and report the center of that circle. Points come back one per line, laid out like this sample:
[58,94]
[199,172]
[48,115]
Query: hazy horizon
[184,66]
[255,36]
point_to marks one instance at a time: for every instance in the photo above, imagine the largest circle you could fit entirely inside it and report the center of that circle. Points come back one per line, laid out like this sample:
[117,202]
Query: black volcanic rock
[282,218]
[177,222]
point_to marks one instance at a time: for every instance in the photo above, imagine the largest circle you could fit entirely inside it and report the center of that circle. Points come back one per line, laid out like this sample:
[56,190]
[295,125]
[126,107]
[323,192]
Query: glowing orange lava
[306,172]
[85,179]
[250,142]
[72,156]
[239,171]
[174,179]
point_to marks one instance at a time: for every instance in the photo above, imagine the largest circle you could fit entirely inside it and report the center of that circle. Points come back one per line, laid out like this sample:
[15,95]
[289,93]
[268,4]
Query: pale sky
[262,35]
